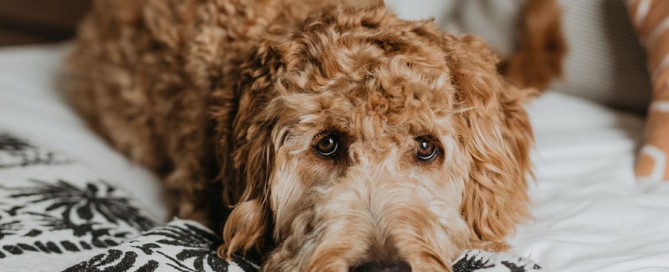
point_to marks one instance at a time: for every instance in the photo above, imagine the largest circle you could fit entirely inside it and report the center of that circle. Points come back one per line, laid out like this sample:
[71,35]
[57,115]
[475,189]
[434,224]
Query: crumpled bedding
[589,212]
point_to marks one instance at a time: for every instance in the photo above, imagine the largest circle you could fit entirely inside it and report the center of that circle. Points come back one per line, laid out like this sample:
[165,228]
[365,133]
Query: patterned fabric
[52,209]
[485,261]
[651,19]
[179,246]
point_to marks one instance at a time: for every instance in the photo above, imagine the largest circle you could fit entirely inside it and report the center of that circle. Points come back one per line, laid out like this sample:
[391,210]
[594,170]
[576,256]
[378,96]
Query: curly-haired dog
[340,138]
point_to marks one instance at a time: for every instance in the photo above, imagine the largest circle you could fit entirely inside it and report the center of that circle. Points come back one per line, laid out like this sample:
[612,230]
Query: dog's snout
[395,266]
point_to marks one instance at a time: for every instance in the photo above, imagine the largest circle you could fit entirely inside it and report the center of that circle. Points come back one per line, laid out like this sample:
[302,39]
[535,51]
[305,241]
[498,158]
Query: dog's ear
[496,135]
[246,152]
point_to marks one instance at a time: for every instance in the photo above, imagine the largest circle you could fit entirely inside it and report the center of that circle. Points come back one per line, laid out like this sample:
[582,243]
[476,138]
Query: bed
[589,212]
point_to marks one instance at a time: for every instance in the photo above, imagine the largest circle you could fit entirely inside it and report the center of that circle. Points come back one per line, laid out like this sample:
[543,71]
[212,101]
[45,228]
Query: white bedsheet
[590,214]
[32,105]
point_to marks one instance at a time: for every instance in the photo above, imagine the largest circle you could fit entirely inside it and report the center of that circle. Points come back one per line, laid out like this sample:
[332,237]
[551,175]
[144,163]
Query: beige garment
[651,19]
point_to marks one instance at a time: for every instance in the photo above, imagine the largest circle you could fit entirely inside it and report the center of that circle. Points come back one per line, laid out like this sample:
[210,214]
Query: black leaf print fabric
[53,207]
[180,245]
[15,152]
[83,203]
[484,261]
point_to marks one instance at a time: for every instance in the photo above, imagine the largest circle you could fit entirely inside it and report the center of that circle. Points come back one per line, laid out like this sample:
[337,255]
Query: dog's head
[365,141]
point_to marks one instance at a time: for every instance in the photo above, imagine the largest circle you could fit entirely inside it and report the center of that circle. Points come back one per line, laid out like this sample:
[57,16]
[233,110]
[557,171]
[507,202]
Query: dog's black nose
[395,266]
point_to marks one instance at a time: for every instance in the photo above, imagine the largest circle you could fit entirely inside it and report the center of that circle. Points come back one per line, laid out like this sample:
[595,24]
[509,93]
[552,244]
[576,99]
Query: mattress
[589,212]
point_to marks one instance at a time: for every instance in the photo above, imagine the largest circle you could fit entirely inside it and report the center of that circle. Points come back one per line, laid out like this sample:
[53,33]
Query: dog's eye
[327,145]
[426,150]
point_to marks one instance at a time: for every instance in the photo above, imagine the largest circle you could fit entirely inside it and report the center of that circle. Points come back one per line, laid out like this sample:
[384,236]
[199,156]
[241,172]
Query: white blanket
[590,214]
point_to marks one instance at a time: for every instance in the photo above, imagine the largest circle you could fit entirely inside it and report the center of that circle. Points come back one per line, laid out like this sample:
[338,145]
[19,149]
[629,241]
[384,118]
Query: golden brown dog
[340,139]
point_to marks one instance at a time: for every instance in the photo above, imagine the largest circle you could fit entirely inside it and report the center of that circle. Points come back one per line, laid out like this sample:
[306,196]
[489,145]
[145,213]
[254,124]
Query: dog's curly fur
[226,98]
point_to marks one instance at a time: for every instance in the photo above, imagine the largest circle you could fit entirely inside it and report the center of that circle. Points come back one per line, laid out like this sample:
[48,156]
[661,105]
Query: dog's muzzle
[395,266]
